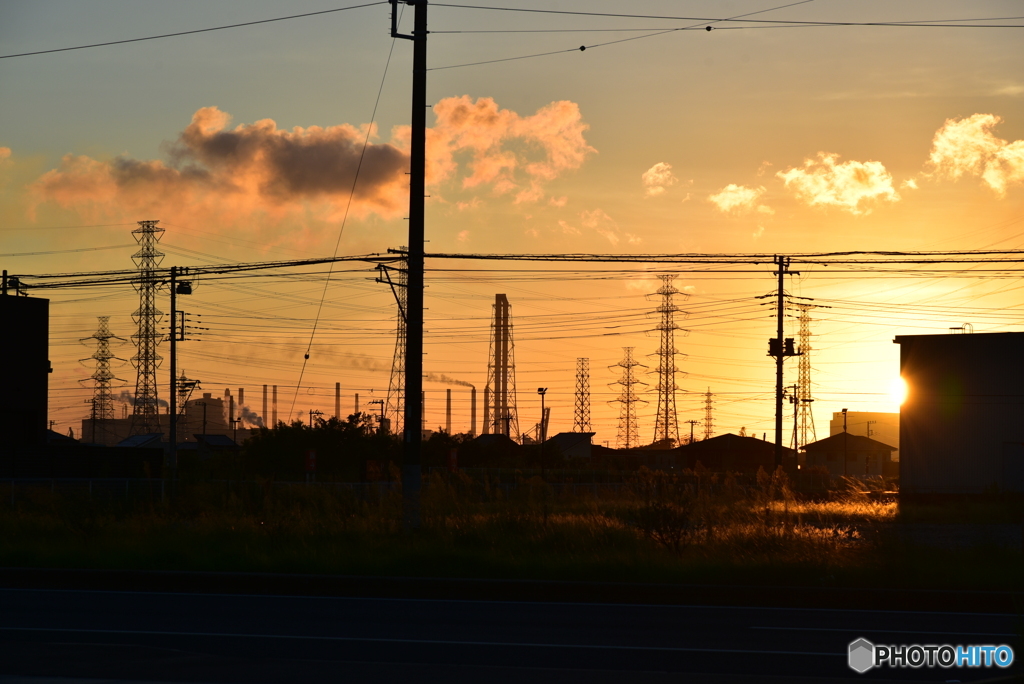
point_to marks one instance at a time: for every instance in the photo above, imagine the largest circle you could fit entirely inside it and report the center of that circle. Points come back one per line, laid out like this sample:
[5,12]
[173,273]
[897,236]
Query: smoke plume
[441,377]
[129,398]
[250,417]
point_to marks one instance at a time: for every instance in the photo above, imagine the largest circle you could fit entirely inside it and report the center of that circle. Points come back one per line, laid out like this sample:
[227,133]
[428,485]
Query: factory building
[962,423]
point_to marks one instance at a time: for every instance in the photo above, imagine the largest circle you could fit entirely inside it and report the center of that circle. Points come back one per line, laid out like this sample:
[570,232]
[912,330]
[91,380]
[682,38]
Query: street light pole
[540,433]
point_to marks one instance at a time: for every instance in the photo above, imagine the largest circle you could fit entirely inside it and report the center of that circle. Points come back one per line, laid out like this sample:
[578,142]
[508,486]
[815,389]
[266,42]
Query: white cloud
[657,178]
[739,199]
[968,147]
[849,186]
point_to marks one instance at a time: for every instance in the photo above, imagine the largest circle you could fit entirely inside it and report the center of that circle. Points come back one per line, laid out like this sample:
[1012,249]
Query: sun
[898,391]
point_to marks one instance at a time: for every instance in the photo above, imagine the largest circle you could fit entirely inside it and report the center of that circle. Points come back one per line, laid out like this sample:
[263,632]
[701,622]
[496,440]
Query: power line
[193,31]
[740,19]
[581,48]
[344,219]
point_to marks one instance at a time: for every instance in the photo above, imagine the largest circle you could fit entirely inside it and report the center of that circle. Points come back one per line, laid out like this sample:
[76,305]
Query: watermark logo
[863,655]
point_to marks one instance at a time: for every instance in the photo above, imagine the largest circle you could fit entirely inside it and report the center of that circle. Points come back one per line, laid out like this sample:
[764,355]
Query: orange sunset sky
[753,137]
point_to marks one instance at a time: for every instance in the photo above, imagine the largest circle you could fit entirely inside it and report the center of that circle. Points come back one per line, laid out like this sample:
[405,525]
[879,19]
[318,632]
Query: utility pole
[173,398]
[411,457]
[795,400]
[692,422]
[779,348]
[541,432]
[183,287]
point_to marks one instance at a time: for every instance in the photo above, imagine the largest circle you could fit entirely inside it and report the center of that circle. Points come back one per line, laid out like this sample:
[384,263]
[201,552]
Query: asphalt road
[220,638]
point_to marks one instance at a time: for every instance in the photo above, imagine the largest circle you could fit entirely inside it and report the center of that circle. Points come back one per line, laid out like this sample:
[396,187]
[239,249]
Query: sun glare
[898,391]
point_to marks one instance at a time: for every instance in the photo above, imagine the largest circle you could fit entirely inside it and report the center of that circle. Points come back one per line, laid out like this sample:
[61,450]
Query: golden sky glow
[244,144]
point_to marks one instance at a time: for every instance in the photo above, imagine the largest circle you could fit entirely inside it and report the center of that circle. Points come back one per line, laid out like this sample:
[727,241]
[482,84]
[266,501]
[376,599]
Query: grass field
[657,529]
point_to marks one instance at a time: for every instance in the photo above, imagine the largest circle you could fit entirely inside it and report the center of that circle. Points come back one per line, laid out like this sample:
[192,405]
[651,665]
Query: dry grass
[660,528]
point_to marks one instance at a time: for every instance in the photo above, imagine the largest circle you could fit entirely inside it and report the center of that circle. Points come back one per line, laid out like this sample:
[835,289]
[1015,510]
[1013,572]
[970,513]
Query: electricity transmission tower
[145,418]
[582,422]
[628,433]
[709,423]
[805,418]
[102,400]
[666,424]
[393,405]
[500,415]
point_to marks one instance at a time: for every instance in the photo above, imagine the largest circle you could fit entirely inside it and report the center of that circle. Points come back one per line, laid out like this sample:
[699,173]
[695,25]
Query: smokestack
[337,400]
[357,402]
[231,411]
[275,406]
[448,411]
[472,412]
[485,429]
[241,397]
[423,410]
[265,416]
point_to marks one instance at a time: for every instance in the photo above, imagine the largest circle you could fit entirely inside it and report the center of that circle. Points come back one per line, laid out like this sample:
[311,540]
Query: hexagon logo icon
[862,655]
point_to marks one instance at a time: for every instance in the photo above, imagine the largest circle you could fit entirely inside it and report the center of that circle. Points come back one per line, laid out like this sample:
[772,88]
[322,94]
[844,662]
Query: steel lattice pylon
[582,421]
[500,414]
[629,435]
[102,400]
[145,414]
[709,422]
[666,424]
[805,433]
[394,406]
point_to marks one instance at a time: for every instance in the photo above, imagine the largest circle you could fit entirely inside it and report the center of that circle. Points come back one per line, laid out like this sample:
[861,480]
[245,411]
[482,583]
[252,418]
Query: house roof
[493,439]
[568,440]
[730,442]
[836,441]
[150,440]
[215,440]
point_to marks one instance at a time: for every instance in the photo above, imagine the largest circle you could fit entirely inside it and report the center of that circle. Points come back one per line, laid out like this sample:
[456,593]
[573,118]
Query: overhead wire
[344,219]
[192,31]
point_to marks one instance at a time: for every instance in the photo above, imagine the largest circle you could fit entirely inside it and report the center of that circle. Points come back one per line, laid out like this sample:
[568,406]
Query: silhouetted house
[147,441]
[731,453]
[962,423]
[572,445]
[212,445]
[24,348]
[878,425]
[489,450]
[851,455]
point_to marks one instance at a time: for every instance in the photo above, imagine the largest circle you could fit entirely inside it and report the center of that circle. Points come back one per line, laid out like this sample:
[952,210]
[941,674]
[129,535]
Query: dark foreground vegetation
[655,527]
